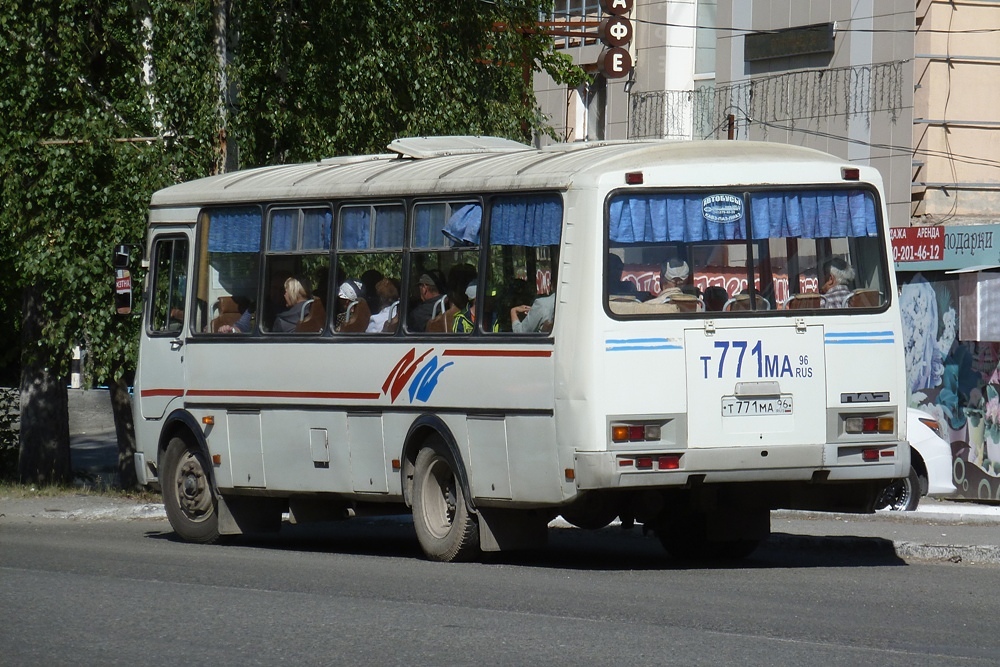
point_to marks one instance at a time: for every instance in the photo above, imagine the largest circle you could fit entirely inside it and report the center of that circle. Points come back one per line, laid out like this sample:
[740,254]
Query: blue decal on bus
[860,338]
[425,380]
[627,344]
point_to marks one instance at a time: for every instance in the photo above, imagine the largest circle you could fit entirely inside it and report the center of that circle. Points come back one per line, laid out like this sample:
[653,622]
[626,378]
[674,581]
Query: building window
[596,98]
[704,54]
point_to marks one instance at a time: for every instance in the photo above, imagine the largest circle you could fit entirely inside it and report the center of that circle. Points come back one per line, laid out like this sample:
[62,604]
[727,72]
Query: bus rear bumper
[724,465]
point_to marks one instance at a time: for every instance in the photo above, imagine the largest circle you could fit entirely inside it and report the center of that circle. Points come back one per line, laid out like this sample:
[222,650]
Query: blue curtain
[355,223]
[659,218]
[526,221]
[389,226]
[427,226]
[316,225]
[234,230]
[813,214]
[645,218]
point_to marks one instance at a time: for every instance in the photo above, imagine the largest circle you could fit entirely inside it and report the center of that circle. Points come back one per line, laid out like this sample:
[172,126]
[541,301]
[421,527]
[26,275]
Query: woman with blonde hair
[297,301]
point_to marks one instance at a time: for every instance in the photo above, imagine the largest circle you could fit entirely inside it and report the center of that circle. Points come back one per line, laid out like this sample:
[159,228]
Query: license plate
[742,407]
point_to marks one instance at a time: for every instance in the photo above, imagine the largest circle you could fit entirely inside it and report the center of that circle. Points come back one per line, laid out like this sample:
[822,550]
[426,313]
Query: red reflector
[625,463]
[633,178]
[644,463]
[850,173]
[888,453]
[636,433]
[869,455]
[672,462]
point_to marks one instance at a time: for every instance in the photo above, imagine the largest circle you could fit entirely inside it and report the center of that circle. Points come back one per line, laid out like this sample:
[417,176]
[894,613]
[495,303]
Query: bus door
[763,386]
[161,377]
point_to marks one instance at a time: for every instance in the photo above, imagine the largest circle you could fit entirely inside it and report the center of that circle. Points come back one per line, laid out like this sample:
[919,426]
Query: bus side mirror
[123,279]
[121,258]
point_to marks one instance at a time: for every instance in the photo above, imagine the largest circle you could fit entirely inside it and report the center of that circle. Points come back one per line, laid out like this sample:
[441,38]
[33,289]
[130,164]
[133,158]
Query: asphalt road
[358,593]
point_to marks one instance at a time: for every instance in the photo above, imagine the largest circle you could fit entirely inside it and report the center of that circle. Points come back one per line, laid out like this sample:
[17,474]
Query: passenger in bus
[224,323]
[465,321]
[297,301]
[539,316]
[673,277]
[387,295]
[429,287]
[369,283]
[353,314]
[836,288]
[616,286]
[715,297]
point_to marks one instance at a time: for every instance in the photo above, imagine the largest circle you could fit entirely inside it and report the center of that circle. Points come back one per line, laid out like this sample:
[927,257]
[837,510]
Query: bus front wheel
[187,493]
[445,528]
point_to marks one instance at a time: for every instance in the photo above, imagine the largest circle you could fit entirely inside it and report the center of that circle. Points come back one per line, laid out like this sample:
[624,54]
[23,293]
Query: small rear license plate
[743,407]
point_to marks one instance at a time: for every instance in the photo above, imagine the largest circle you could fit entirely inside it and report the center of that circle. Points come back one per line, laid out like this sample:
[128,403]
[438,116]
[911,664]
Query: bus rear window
[774,250]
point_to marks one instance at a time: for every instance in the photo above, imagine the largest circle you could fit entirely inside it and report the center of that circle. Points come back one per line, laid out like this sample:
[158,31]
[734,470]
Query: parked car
[930,465]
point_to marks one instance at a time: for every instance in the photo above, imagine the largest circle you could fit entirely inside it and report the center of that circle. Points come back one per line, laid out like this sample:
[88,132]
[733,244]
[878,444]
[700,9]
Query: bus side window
[228,270]
[297,269]
[444,263]
[169,285]
[369,268]
[520,294]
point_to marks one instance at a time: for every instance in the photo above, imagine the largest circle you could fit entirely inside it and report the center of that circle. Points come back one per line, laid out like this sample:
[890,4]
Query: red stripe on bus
[497,353]
[161,392]
[247,393]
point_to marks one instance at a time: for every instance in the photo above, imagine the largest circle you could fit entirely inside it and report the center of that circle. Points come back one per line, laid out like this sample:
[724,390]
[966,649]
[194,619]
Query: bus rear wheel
[187,494]
[446,529]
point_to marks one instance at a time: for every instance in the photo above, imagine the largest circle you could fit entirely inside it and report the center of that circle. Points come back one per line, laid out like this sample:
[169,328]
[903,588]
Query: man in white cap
[673,275]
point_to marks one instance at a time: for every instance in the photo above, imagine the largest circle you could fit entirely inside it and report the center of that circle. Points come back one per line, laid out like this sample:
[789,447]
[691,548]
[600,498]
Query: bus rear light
[669,462]
[217,459]
[850,173]
[644,463]
[625,463]
[870,425]
[633,178]
[887,453]
[870,455]
[634,432]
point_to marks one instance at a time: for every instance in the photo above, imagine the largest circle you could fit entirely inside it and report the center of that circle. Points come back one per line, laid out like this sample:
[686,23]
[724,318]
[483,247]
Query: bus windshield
[767,251]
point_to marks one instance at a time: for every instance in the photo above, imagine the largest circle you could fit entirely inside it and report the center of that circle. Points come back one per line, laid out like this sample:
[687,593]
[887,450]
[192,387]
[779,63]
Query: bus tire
[187,493]
[446,529]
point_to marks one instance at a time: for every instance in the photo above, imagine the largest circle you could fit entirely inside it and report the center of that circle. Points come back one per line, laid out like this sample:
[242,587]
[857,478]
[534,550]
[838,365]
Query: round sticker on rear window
[722,208]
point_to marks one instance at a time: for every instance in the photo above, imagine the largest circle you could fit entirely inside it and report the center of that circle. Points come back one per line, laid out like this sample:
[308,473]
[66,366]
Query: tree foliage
[320,78]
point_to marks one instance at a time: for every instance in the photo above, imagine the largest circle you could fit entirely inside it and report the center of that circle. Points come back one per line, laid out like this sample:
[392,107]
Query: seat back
[865,298]
[805,301]
[687,303]
[315,316]
[228,313]
[356,318]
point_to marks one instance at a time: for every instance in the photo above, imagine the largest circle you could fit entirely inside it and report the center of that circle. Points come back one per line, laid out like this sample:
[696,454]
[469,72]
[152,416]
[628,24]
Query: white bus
[488,335]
